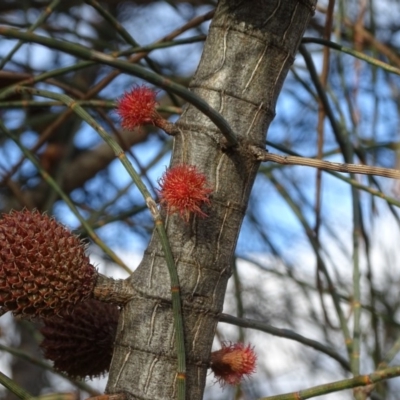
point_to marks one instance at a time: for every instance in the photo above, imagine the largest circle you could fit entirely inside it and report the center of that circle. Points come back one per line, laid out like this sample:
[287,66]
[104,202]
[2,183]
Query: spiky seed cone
[81,343]
[43,266]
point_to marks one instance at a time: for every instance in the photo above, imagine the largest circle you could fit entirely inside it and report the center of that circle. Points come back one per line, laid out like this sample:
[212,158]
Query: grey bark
[250,47]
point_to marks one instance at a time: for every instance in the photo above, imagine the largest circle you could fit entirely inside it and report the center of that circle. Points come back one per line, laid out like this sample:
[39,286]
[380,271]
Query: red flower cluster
[233,362]
[137,107]
[184,190]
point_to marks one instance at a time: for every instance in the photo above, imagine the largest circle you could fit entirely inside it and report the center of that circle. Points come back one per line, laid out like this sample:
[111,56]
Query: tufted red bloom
[184,190]
[233,362]
[43,267]
[137,107]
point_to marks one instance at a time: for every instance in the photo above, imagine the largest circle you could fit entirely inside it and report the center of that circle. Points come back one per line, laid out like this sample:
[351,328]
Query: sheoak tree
[159,324]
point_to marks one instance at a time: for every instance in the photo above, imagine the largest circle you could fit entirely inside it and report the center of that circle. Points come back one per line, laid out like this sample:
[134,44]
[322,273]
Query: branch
[133,69]
[54,185]
[14,388]
[354,53]
[285,333]
[360,380]
[264,155]
[391,201]
[109,290]
[48,367]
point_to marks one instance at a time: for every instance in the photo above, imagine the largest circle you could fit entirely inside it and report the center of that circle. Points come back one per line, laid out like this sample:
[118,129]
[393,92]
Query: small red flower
[183,189]
[137,107]
[233,362]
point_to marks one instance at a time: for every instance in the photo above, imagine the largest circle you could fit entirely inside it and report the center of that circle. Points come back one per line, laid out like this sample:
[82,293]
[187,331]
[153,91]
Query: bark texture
[250,47]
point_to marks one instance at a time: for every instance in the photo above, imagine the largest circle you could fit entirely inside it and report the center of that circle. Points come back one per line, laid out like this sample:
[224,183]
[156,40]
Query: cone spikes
[43,266]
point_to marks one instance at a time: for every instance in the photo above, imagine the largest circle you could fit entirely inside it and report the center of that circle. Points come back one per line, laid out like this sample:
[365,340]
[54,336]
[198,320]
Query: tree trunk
[250,47]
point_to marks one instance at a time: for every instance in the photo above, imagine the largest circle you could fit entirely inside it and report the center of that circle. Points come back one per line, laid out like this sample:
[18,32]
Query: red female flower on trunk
[137,107]
[233,362]
[184,190]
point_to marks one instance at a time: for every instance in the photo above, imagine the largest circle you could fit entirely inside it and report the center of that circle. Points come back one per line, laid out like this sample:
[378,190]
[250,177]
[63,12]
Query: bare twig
[284,333]
[264,155]
[360,380]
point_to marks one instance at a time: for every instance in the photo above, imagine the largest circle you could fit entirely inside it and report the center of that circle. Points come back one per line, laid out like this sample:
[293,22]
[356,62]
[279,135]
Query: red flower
[184,190]
[233,362]
[137,107]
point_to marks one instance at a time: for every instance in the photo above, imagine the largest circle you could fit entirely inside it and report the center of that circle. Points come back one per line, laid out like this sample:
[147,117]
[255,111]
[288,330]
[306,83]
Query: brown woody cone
[81,343]
[43,266]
